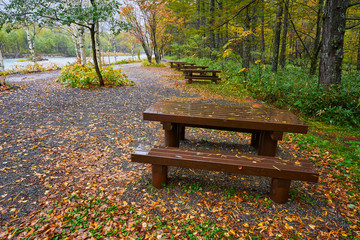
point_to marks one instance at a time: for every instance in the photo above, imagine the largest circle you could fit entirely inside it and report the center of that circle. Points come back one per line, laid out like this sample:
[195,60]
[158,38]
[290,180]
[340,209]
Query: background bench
[201,74]
[281,171]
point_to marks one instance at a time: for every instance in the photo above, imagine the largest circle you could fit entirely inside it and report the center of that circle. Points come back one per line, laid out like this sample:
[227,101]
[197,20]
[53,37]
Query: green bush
[84,76]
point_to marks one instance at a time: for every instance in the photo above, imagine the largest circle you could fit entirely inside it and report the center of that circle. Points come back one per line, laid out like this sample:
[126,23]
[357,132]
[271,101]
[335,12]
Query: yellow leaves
[243,70]
[227,52]
[246,225]
[288,227]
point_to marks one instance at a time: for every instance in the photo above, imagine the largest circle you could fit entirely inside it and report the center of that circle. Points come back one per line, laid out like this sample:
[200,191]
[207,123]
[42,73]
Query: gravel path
[43,123]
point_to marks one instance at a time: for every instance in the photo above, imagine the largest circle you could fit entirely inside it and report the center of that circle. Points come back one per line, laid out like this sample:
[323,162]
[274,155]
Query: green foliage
[295,89]
[79,76]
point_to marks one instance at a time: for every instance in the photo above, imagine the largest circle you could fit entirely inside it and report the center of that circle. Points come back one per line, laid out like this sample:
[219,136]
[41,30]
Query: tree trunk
[95,59]
[247,42]
[76,43]
[82,45]
[277,33]
[75,37]
[316,48]
[93,46]
[147,52]
[334,22]
[282,60]
[30,43]
[262,48]
[98,52]
[211,28]
[2,67]
[358,54]
[109,51]
[114,47]
[198,22]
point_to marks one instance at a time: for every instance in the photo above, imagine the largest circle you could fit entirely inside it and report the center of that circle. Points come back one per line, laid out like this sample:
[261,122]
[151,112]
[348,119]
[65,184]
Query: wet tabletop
[243,116]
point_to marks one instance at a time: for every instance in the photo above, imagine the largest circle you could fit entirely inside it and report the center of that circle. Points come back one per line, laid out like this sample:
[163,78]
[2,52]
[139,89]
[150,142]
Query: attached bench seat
[282,171]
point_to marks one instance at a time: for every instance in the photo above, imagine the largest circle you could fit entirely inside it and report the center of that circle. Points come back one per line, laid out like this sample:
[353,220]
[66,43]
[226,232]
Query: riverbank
[20,64]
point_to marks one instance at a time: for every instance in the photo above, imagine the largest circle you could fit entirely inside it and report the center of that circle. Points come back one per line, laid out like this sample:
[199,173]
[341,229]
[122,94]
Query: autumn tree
[148,20]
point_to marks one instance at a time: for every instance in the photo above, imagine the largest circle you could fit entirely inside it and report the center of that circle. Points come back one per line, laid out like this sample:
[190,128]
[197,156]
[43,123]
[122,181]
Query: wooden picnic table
[267,125]
[179,65]
[193,67]
[201,74]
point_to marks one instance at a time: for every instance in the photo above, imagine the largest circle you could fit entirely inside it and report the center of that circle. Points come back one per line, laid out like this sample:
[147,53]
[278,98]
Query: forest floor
[65,170]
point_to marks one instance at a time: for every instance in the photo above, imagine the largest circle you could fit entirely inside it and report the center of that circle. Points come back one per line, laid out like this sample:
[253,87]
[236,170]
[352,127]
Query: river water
[12,63]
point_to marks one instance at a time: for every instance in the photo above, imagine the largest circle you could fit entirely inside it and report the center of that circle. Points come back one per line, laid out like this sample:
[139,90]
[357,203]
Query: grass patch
[146,63]
[99,218]
[125,61]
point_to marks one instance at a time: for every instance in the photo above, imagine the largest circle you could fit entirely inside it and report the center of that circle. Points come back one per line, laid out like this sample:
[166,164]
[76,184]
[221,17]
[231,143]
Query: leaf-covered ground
[65,171]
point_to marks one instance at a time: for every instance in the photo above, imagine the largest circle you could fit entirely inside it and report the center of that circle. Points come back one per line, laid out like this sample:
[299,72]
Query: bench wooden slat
[244,164]
[201,71]
[281,171]
[253,160]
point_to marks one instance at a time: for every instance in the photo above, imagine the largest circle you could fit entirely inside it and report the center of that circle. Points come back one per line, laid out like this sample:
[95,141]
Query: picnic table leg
[279,191]
[190,79]
[181,132]
[159,175]
[255,138]
[267,145]
[171,134]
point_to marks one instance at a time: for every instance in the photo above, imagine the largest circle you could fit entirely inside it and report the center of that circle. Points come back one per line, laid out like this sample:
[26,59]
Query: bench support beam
[279,191]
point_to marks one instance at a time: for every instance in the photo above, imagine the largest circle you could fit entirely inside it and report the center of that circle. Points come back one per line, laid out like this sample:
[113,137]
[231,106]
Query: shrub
[84,76]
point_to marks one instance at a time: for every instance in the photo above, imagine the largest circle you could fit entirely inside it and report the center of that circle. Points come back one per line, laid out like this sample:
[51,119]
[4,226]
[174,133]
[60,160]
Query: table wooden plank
[233,117]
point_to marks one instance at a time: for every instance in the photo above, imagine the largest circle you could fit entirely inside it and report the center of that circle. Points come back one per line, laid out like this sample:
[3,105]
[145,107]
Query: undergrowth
[295,89]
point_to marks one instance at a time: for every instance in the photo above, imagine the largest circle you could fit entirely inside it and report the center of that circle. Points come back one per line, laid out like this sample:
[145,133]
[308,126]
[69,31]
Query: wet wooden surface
[282,171]
[229,162]
[224,116]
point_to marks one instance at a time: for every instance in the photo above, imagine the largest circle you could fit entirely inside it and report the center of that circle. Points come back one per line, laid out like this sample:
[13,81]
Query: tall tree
[277,32]
[247,40]
[316,47]
[334,26]
[130,13]
[282,59]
